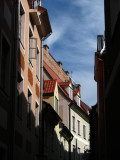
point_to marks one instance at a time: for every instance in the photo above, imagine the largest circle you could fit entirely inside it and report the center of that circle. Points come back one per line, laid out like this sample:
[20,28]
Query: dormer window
[70,93]
[78,100]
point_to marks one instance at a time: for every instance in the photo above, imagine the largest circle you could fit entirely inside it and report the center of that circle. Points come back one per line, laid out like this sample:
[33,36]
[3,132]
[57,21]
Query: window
[70,93]
[78,101]
[22,26]
[73,122]
[78,127]
[79,153]
[84,131]
[73,152]
[29,106]
[36,118]
[32,47]
[5,66]
[38,65]
[56,104]
[19,95]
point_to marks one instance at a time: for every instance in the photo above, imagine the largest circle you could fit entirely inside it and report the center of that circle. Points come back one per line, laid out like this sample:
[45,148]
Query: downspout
[70,131]
[41,138]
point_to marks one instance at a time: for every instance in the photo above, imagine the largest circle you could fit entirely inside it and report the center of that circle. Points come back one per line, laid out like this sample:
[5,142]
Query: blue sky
[75,25]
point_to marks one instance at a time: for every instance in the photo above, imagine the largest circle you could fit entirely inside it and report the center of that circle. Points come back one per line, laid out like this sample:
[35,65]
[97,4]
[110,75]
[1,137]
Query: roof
[51,72]
[49,86]
[64,84]
[75,92]
[84,106]
[64,92]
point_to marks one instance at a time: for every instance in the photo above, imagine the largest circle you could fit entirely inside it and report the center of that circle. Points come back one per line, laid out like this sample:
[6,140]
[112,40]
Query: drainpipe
[70,131]
[41,131]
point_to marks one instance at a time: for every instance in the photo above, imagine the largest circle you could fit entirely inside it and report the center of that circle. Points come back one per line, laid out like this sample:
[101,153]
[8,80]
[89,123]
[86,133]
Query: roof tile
[49,86]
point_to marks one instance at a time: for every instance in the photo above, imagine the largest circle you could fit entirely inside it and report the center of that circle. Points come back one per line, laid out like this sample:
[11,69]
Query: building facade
[23,27]
[79,127]
[69,100]
[7,77]
[107,71]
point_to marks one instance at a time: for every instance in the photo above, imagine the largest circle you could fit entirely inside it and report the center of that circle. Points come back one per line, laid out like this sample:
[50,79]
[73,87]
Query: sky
[75,26]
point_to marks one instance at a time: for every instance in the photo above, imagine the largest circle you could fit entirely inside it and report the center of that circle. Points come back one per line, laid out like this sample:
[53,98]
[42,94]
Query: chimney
[79,89]
[67,73]
[99,43]
[46,48]
[39,2]
[60,64]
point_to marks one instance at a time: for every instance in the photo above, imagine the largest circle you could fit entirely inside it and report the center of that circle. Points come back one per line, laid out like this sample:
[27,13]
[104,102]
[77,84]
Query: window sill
[37,78]
[22,45]
[74,130]
[30,63]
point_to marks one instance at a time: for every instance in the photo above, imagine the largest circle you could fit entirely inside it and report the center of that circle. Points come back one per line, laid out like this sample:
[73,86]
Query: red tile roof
[51,72]
[49,86]
[84,106]
[75,92]
[64,92]
[64,84]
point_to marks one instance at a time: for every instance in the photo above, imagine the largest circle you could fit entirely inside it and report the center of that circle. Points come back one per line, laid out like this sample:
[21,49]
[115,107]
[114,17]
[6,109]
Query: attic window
[78,100]
[70,93]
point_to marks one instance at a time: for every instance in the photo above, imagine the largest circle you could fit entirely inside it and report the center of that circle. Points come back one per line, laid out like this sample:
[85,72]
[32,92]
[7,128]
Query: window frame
[31,36]
[22,40]
[79,127]
[84,132]
[73,123]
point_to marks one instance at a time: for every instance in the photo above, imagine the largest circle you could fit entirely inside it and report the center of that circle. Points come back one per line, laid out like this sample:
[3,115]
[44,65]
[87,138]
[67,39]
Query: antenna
[71,73]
